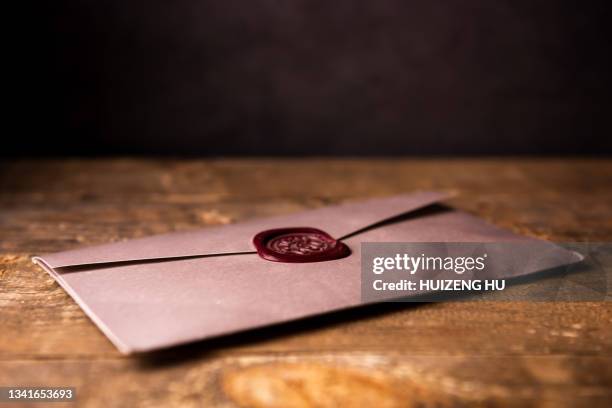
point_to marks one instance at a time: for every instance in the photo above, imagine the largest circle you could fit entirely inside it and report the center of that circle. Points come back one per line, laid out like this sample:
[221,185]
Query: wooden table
[443,354]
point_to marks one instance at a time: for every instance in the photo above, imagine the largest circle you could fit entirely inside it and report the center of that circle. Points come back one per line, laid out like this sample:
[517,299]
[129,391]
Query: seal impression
[298,245]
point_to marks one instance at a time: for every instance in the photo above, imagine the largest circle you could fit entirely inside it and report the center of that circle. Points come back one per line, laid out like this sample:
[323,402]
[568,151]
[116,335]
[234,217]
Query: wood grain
[445,354]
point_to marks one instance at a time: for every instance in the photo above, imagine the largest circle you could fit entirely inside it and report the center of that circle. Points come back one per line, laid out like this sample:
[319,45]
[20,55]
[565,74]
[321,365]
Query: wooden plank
[56,327]
[331,379]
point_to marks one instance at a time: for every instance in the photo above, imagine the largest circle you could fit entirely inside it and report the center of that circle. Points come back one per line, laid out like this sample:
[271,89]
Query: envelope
[171,289]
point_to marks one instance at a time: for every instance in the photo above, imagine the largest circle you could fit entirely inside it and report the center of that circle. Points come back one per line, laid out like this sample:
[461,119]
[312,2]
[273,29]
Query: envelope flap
[338,221]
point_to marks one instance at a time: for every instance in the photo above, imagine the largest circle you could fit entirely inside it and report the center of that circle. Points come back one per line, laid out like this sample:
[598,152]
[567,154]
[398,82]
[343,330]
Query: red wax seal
[301,244]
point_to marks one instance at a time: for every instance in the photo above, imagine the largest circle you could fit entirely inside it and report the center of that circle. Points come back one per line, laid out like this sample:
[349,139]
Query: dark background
[312,77]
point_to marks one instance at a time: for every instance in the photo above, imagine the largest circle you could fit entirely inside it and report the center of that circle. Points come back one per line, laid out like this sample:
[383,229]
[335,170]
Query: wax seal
[300,244]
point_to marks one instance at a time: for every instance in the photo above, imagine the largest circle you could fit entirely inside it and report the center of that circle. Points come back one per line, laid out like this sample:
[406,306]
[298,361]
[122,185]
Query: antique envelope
[171,289]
